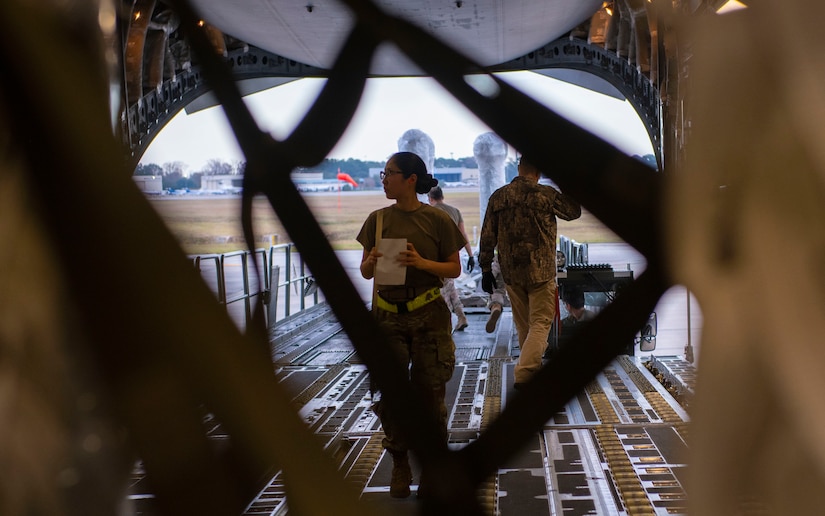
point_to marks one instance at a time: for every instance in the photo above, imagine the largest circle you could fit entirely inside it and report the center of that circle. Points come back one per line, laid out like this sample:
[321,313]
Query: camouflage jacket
[520,222]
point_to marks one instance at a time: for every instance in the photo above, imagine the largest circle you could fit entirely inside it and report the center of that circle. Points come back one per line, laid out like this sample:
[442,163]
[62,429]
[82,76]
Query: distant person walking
[436,196]
[410,308]
[520,222]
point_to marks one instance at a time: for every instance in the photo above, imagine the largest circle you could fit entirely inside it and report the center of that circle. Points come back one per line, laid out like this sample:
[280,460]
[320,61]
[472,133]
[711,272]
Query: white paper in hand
[388,271]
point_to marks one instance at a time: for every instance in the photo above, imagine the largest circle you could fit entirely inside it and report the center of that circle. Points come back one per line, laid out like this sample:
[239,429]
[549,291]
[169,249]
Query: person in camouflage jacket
[520,222]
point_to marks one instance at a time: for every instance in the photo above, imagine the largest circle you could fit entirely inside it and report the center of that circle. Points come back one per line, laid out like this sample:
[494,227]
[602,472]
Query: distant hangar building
[149,184]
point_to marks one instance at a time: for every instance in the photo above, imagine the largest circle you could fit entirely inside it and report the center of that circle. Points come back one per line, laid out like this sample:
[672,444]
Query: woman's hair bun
[425,184]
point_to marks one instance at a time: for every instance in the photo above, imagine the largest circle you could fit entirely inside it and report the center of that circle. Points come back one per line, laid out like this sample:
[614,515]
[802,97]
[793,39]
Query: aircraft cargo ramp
[617,448]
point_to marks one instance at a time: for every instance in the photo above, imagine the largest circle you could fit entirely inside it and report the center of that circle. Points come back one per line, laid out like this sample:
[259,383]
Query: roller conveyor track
[311,337]
[618,447]
[676,374]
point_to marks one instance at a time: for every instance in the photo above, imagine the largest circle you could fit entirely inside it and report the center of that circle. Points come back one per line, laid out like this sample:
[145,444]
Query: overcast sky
[389,107]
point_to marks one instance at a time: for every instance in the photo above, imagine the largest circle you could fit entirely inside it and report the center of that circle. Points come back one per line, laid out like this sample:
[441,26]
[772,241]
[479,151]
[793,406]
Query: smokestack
[490,152]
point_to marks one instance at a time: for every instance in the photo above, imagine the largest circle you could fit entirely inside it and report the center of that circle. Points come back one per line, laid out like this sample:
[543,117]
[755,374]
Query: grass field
[205,225]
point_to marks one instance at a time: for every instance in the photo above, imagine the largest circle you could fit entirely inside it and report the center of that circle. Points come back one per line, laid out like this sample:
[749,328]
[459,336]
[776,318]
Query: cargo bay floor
[619,447]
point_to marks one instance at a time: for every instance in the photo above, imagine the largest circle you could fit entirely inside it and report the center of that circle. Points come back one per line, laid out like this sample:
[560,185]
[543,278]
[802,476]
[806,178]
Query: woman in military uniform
[412,313]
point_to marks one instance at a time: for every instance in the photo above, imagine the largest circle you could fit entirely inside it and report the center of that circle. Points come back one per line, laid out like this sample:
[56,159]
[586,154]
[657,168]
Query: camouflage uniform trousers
[421,338]
[497,297]
[450,295]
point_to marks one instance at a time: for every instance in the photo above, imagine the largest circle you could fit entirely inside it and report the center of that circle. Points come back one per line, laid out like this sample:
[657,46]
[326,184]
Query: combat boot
[462,320]
[401,475]
[495,313]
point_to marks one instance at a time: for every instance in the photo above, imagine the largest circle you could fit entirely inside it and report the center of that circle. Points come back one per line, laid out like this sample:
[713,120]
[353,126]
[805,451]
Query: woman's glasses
[387,173]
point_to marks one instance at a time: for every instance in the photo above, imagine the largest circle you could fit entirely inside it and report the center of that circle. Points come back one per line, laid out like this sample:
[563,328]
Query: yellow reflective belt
[409,306]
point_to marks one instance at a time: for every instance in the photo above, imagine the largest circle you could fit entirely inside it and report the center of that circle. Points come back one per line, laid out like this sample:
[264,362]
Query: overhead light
[608,8]
[730,6]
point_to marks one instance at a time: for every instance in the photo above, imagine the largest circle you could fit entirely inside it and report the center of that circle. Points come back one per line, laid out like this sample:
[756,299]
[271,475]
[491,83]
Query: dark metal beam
[580,55]
[155,109]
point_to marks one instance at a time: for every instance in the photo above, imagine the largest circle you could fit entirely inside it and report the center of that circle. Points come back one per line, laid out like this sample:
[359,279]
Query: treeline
[360,169]
[177,176]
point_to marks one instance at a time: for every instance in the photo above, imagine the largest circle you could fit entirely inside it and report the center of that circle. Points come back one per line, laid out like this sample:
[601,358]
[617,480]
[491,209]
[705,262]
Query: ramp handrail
[276,294]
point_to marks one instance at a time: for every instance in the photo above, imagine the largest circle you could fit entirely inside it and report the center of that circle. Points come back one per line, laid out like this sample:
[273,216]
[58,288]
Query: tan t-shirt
[452,211]
[432,232]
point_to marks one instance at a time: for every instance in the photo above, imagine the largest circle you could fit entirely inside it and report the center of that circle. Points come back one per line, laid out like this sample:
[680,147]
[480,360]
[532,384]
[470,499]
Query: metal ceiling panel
[487,31]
